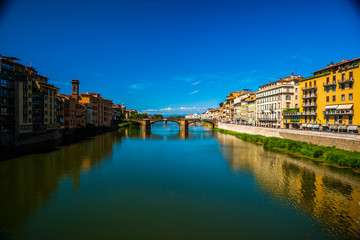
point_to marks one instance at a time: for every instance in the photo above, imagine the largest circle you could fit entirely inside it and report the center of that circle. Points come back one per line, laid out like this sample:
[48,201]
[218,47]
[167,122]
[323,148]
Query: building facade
[330,99]
[275,97]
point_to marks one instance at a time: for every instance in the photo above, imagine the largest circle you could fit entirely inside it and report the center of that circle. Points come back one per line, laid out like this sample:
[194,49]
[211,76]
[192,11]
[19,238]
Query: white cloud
[137,86]
[194,92]
[195,83]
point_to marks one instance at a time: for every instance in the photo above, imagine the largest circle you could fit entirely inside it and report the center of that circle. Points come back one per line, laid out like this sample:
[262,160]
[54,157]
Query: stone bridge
[183,123]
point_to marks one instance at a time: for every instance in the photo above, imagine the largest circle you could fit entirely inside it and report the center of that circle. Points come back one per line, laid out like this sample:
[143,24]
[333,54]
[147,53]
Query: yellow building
[330,99]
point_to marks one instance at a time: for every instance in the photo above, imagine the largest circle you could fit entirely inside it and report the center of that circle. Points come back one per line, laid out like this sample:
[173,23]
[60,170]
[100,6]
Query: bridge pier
[145,125]
[184,125]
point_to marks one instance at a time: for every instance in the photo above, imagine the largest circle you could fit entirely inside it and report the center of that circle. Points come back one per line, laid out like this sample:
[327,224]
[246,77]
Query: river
[172,184]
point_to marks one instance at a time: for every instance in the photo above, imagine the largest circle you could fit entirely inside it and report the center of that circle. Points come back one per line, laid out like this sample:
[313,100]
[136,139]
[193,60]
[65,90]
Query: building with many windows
[330,99]
[28,101]
[275,97]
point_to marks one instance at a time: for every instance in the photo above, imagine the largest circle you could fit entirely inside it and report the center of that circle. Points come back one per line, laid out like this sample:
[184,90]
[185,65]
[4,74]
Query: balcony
[267,119]
[307,96]
[312,113]
[329,84]
[309,104]
[350,80]
[309,88]
[338,112]
[291,113]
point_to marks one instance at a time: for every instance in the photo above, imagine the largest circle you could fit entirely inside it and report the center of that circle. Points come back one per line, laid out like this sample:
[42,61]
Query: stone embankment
[350,142]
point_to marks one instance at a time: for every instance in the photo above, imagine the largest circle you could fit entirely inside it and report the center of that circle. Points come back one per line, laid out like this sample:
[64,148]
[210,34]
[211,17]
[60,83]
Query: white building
[273,98]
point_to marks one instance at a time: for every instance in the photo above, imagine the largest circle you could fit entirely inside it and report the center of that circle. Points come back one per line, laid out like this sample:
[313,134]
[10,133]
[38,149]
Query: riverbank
[328,154]
[349,142]
[66,138]
[128,124]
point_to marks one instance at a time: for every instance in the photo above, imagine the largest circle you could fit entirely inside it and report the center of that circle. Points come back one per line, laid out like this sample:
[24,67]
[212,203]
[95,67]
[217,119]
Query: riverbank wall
[350,142]
[8,141]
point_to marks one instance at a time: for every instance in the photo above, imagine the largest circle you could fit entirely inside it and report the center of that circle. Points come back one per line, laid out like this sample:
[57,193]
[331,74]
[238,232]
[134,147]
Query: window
[327,119]
[327,89]
[287,105]
[350,75]
[296,97]
[327,80]
[305,85]
[350,96]
[296,89]
[351,85]
[350,119]
[334,88]
[334,79]
[342,86]
[343,77]
[288,97]
[327,99]
[314,83]
[334,98]
[343,97]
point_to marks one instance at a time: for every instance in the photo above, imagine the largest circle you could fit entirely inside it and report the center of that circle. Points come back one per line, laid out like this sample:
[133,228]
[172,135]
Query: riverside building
[330,99]
[273,98]
[28,102]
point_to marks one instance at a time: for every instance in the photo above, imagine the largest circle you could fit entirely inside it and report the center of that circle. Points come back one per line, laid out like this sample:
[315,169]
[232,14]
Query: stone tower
[75,88]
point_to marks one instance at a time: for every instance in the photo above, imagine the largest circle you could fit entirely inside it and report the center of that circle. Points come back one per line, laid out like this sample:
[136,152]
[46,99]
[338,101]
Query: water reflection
[26,183]
[180,176]
[326,196]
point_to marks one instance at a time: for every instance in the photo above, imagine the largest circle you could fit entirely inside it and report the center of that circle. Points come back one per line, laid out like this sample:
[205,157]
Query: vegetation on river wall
[128,124]
[328,154]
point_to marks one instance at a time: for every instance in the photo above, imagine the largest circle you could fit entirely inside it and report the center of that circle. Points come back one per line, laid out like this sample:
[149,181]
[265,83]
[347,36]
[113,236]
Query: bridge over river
[184,122]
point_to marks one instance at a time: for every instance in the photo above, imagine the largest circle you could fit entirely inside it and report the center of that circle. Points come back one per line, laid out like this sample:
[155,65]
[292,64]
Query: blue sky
[177,56]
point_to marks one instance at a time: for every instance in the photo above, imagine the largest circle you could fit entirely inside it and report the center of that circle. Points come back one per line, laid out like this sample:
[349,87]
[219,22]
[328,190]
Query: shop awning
[344,107]
[343,127]
[316,126]
[325,125]
[331,106]
[309,125]
[333,126]
[303,125]
[353,128]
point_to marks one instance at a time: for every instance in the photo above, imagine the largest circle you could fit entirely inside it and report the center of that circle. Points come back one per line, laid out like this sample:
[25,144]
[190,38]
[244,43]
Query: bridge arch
[183,123]
[165,120]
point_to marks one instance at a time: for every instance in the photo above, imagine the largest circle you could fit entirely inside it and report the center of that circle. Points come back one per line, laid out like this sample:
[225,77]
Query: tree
[158,116]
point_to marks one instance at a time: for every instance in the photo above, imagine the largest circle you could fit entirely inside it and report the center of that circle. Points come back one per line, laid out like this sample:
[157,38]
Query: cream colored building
[273,98]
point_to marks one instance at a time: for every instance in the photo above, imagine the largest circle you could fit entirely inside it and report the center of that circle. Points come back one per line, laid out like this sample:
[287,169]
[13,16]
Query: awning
[331,106]
[309,125]
[353,128]
[344,107]
[303,125]
[316,126]
[325,125]
[278,124]
[343,127]
[333,127]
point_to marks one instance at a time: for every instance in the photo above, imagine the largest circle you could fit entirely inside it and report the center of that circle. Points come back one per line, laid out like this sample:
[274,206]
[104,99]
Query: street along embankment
[341,149]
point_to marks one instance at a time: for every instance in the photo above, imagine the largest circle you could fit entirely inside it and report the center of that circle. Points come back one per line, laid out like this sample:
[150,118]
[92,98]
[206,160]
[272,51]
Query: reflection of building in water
[27,182]
[329,197]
